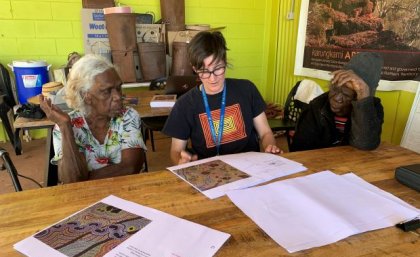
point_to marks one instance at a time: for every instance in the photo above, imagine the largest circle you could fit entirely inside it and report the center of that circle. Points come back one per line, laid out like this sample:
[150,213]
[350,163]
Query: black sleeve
[307,134]
[258,103]
[178,123]
[366,123]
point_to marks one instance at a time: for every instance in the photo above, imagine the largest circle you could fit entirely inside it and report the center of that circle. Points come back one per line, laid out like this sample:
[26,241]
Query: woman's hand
[187,157]
[268,142]
[53,113]
[272,149]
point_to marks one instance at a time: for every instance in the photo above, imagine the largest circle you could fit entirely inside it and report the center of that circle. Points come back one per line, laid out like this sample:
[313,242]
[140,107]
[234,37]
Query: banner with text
[335,30]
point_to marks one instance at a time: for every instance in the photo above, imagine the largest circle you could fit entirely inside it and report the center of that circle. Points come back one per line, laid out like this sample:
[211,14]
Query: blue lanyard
[210,119]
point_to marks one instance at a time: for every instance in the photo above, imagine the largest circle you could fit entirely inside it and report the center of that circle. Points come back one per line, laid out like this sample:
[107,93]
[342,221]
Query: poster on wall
[332,31]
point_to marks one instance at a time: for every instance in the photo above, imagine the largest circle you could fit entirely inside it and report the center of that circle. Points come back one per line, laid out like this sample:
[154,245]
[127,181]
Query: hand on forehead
[348,79]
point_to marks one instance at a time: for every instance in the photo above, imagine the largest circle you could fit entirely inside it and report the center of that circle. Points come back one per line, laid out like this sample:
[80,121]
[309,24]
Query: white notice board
[411,137]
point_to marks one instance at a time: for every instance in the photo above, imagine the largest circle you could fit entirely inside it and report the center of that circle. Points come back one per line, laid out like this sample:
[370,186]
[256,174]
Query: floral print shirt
[124,132]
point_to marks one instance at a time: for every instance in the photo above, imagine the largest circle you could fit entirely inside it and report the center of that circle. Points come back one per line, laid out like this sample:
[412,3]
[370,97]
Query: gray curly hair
[82,78]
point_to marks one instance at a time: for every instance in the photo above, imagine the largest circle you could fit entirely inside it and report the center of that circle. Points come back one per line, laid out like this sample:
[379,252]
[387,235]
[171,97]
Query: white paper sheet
[261,167]
[360,182]
[319,209]
[164,236]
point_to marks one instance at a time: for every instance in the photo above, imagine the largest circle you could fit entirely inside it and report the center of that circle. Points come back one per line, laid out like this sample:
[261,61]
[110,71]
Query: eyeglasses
[205,74]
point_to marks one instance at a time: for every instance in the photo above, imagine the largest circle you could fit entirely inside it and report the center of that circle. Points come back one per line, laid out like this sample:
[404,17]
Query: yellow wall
[262,42]
[51,29]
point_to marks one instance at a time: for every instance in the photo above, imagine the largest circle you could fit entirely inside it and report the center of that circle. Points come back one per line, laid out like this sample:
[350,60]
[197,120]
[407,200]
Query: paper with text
[217,175]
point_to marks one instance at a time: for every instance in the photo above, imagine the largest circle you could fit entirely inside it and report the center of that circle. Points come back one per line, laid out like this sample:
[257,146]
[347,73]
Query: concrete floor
[32,161]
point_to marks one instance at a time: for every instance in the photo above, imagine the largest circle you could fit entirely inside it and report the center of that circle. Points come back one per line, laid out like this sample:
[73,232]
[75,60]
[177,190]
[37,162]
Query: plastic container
[29,77]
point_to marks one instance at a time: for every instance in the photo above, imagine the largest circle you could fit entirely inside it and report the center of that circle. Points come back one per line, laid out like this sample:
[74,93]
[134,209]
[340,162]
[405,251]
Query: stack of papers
[116,227]
[320,209]
[217,175]
[163,101]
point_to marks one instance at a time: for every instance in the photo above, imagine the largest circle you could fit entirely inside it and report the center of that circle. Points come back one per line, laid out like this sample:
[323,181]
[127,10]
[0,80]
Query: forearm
[265,134]
[267,139]
[113,170]
[178,152]
[132,160]
[72,166]
[175,156]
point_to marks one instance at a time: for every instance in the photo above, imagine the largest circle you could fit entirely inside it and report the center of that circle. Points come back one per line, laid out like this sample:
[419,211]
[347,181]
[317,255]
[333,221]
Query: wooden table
[25,213]
[50,173]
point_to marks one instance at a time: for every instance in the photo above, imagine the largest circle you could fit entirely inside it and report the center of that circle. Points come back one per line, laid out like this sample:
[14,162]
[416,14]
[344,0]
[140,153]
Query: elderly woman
[100,138]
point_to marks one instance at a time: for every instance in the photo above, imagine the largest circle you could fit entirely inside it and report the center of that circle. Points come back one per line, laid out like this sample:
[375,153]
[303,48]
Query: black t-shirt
[188,119]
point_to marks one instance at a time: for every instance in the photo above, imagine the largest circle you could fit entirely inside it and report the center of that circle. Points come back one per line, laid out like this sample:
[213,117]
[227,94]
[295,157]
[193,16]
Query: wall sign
[332,31]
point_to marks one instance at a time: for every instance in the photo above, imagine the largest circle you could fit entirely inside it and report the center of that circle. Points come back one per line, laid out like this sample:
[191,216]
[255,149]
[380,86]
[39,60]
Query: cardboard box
[150,33]
[95,35]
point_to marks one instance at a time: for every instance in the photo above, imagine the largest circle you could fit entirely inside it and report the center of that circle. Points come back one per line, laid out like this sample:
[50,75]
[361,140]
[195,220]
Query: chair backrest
[299,97]
[6,86]
[293,108]
[175,85]
[179,85]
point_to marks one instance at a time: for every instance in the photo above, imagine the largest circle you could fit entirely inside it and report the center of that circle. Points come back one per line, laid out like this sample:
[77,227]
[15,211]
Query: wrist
[362,94]
[65,126]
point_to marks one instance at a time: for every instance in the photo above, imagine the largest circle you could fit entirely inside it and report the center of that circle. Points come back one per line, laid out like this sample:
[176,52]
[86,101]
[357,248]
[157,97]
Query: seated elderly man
[100,138]
[349,113]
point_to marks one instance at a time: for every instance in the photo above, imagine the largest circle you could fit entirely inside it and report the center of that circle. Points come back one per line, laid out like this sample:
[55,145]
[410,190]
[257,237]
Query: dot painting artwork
[93,231]
[212,174]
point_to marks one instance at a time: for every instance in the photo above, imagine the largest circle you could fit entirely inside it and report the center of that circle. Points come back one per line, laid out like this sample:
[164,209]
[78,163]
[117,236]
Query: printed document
[217,175]
[320,209]
[114,227]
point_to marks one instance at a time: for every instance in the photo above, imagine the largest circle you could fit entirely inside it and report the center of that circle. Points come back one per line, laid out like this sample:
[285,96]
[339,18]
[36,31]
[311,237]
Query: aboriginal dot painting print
[92,232]
[211,174]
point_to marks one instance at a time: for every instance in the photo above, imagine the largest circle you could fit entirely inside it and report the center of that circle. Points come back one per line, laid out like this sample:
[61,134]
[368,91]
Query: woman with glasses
[221,116]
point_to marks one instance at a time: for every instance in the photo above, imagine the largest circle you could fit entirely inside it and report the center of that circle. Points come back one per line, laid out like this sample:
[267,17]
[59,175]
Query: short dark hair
[206,44]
